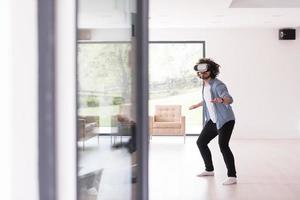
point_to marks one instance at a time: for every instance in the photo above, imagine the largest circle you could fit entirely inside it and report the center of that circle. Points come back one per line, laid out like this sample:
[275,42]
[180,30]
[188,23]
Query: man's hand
[196,105]
[217,100]
[193,107]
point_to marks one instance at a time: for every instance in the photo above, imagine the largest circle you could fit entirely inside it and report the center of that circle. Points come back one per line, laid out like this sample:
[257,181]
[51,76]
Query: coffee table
[108,131]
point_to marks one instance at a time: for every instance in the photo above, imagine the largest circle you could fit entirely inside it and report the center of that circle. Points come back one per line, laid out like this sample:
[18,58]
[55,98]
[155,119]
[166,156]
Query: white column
[66,97]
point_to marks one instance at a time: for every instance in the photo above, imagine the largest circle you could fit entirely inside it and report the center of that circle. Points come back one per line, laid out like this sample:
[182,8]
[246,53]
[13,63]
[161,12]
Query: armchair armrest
[183,124]
[151,120]
[81,127]
[182,119]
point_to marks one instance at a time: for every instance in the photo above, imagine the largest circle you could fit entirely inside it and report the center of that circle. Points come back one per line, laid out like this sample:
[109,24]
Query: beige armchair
[167,121]
[124,126]
[87,124]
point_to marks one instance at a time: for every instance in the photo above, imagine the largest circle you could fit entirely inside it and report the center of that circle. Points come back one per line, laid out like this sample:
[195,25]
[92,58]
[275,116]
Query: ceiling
[193,13]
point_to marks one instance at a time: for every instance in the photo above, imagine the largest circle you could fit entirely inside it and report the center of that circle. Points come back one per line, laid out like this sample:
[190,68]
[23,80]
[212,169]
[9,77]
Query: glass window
[106,140]
[174,81]
[104,79]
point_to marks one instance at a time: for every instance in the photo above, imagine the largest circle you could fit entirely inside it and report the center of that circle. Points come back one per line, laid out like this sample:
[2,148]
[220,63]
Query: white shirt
[209,104]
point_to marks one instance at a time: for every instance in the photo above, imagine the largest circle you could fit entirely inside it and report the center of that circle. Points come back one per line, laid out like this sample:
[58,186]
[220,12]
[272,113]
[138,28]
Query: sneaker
[230,181]
[206,173]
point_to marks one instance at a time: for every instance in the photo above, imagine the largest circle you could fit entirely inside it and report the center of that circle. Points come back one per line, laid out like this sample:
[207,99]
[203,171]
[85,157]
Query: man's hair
[213,67]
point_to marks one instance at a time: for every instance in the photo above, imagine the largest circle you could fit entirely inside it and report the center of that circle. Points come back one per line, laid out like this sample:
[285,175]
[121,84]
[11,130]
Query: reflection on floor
[112,168]
[88,185]
[266,169]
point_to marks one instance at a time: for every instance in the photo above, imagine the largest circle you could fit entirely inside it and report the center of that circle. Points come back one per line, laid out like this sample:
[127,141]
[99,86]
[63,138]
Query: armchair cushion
[90,126]
[167,121]
[166,113]
[167,125]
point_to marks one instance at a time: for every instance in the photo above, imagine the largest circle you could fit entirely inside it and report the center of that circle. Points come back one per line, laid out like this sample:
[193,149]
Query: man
[219,118]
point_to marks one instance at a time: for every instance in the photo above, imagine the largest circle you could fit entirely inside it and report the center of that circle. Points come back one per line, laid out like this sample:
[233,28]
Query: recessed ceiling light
[220,15]
[276,15]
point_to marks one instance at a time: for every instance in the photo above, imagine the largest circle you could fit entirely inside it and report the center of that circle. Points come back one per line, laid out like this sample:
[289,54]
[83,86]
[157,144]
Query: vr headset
[203,67]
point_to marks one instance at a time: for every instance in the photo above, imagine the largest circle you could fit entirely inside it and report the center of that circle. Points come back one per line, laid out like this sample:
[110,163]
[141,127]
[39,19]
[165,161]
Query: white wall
[24,100]
[261,72]
[5,100]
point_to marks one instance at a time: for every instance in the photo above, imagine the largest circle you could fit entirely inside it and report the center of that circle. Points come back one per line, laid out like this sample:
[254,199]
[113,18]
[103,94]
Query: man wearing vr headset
[219,118]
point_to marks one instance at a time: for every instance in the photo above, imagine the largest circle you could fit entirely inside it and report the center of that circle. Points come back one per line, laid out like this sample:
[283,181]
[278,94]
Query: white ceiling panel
[220,14]
[265,4]
[193,13]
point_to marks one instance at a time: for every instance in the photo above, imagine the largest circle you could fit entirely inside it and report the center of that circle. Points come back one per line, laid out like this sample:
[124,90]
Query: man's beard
[204,78]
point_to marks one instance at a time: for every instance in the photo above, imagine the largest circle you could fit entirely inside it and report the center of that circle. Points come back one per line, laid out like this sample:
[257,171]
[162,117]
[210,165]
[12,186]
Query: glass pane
[106,82]
[173,80]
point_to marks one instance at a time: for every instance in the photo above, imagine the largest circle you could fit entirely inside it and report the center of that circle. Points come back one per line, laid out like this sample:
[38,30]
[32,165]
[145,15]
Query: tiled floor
[266,169]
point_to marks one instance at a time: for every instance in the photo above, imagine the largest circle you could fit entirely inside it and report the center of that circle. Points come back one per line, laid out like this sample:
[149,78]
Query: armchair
[87,124]
[124,126]
[167,121]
